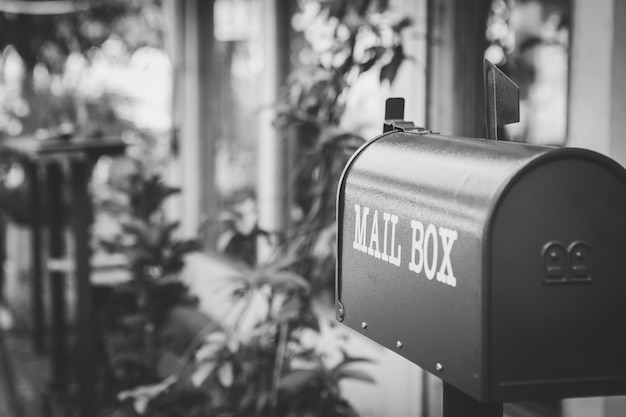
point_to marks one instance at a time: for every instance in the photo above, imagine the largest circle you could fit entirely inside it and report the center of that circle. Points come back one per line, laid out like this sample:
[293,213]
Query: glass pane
[238,31]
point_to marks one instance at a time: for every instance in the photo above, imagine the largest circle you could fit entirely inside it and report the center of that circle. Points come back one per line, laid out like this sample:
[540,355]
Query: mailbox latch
[394,118]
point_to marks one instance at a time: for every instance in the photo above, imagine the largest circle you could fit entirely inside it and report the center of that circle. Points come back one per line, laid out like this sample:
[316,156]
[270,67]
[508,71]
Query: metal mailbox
[499,267]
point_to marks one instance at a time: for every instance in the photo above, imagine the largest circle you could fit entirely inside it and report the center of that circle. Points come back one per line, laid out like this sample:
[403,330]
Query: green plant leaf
[168,364]
[354,374]
[225,374]
[201,373]
[284,281]
[389,71]
[349,360]
[296,380]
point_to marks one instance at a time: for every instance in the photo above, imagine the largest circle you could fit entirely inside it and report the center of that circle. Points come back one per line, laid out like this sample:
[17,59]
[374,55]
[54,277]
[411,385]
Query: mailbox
[499,267]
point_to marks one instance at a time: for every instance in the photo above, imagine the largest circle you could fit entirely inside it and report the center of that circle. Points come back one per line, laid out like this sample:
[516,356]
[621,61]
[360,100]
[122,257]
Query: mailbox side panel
[558,276]
[411,214]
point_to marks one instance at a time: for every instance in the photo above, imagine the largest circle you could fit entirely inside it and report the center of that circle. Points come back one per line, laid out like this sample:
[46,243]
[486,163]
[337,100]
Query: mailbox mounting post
[458,404]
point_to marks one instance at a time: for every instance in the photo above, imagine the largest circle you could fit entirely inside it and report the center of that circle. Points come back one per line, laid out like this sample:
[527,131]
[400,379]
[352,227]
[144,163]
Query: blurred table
[48,157]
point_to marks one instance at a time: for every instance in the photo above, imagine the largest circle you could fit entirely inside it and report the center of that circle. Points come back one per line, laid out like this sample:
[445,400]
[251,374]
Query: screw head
[579,255]
[364,325]
[399,344]
[554,256]
[439,367]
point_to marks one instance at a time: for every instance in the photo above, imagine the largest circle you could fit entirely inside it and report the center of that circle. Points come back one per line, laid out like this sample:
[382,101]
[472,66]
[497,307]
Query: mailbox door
[558,280]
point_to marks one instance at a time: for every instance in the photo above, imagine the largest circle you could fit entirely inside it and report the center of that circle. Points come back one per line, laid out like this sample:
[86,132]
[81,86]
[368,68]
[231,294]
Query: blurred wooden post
[174,12]
[273,160]
[195,111]
[81,219]
[81,153]
[37,284]
[597,83]
[455,99]
[58,379]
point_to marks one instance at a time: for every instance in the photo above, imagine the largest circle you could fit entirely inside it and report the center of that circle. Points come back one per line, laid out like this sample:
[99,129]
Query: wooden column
[457,43]
[58,382]
[82,216]
[195,111]
[618,83]
[273,160]
[37,283]
[597,85]
[174,12]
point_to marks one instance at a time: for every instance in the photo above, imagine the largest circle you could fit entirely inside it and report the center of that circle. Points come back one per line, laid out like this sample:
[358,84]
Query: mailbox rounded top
[450,177]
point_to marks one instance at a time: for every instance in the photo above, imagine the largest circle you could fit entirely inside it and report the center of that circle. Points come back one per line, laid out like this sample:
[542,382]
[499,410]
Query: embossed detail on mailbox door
[581,262]
[567,265]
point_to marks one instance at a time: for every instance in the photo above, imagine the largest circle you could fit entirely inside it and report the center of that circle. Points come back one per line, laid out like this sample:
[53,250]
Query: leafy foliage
[241,233]
[55,47]
[51,38]
[265,369]
[346,38]
[271,371]
[148,237]
[15,189]
[263,365]
[47,98]
[133,315]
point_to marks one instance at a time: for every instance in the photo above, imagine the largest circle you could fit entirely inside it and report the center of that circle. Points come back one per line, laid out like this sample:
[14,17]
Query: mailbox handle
[394,117]
[501,99]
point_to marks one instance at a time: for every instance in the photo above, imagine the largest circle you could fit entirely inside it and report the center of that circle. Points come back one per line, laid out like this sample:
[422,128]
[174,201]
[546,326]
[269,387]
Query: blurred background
[168,174]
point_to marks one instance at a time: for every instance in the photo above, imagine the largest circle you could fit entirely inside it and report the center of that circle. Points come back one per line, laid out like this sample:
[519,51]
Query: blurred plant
[312,244]
[52,39]
[15,198]
[266,363]
[262,367]
[241,233]
[133,313]
[147,239]
[57,60]
[345,39]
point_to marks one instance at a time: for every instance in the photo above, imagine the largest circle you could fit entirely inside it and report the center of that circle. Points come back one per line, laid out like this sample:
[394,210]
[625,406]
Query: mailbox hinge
[340,310]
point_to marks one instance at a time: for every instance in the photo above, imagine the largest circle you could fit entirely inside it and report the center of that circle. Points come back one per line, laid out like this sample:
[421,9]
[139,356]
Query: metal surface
[501,99]
[441,245]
